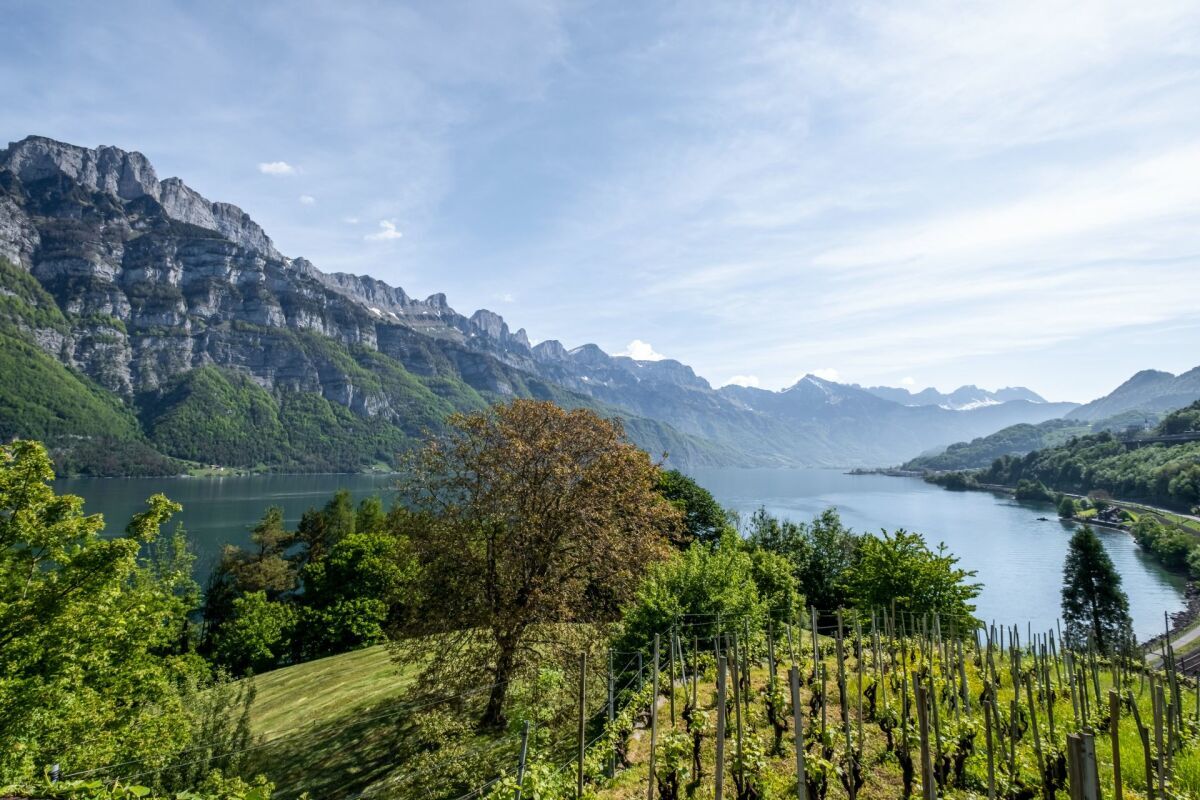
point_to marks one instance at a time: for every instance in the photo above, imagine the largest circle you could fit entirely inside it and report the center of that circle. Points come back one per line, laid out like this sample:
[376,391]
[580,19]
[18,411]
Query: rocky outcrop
[128,176]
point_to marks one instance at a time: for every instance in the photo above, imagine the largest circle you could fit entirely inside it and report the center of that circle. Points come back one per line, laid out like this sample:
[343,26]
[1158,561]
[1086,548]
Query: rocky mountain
[175,320]
[1147,391]
[964,398]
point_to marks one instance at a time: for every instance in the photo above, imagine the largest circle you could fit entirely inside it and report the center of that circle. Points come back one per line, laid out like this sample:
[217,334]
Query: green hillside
[1164,473]
[1017,440]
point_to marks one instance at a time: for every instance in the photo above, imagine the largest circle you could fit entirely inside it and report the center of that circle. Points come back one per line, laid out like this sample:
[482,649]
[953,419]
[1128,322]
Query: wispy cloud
[387,232]
[742,380]
[307,200]
[278,168]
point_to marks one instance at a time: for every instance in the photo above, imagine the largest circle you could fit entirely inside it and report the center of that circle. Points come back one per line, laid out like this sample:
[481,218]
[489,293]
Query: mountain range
[142,323]
[964,398]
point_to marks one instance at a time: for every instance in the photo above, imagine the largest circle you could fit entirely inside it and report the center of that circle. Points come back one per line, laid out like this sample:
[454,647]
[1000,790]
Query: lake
[1018,557]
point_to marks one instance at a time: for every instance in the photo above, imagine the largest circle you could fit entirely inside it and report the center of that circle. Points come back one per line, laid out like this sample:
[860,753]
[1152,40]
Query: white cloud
[908,380]
[307,200]
[276,168]
[506,297]
[386,233]
[350,220]
[641,351]
[827,374]
[742,380]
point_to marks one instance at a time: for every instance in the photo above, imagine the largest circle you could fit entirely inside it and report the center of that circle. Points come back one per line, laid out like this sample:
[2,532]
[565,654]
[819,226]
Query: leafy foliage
[332,585]
[712,587]
[528,517]
[95,661]
[900,568]
[1168,475]
[704,520]
[822,553]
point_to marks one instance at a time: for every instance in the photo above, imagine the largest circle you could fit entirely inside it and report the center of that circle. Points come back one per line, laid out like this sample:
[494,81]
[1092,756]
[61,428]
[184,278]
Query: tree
[351,593]
[370,516]
[1095,608]
[711,587]
[901,568]
[265,568]
[90,662]
[821,553]
[257,635]
[831,556]
[320,529]
[704,519]
[526,517]
[1066,507]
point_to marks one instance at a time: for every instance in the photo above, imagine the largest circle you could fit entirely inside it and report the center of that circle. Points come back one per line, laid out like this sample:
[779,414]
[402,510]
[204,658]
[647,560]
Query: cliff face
[160,280]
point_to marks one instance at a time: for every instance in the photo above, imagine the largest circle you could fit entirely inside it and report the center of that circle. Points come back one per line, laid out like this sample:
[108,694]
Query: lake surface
[1019,558]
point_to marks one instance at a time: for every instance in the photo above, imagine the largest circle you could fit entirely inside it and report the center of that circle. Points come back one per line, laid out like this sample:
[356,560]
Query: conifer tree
[1095,607]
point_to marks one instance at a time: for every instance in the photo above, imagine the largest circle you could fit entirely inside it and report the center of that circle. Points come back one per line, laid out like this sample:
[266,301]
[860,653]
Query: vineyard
[863,706]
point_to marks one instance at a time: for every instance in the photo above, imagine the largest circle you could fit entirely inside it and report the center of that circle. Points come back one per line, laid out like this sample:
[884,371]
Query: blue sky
[909,193]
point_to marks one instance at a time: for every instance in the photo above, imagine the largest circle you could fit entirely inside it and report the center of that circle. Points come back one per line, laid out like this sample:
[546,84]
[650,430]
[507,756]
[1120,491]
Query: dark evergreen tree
[1094,606]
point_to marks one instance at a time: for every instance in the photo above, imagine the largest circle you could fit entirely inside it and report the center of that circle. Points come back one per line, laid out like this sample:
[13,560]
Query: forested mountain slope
[1163,473]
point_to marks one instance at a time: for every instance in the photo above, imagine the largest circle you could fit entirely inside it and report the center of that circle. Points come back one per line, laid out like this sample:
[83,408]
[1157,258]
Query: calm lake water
[1018,558]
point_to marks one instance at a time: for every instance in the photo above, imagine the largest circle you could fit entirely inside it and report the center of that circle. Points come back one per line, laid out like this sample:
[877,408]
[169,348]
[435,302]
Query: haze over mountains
[963,398]
[1148,390]
[173,311]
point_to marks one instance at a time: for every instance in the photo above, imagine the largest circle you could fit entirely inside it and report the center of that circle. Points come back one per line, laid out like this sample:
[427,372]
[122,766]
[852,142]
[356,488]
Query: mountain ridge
[1147,390]
[157,281]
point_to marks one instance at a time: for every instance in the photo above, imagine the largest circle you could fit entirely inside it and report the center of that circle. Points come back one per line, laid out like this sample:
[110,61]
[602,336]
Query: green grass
[326,690]
[321,723]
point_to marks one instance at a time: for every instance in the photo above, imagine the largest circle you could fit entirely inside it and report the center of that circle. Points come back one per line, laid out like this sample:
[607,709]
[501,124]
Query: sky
[908,194]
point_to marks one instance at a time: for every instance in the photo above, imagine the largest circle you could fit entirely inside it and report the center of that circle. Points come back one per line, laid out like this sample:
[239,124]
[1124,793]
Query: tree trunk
[493,716]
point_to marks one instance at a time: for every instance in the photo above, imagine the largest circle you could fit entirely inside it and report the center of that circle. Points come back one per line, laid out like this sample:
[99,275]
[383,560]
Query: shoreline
[1179,620]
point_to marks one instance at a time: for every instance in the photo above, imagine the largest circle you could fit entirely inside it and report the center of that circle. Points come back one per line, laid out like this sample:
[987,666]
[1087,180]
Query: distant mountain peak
[964,398]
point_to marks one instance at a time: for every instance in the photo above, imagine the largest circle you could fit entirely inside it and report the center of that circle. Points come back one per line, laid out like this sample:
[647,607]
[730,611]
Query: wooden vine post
[671,673]
[1114,726]
[653,719]
[928,782]
[521,761]
[987,730]
[1082,769]
[798,734]
[582,722]
[612,757]
[719,770]
[737,704]
[1144,735]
